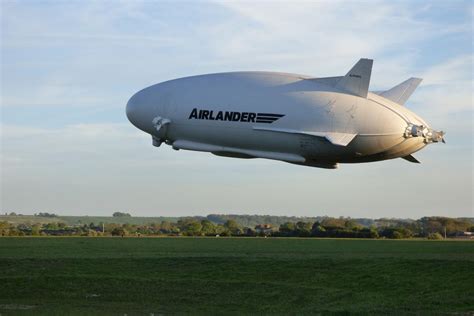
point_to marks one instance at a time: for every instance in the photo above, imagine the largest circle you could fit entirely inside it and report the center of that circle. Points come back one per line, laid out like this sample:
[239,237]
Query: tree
[351,224]
[373,232]
[208,228]
[334,222]
[46,214]
[287,229]
[35,229]
[167,227]
[435,236]
[396,235]
[119,231]
[440,224]
[221,230]
[233,227]
[51,226]
[13,231]
[120,214]
[250,232]
[193,228]
[4,228]
[303,229]
[396,232]
[130,228]
[318,230]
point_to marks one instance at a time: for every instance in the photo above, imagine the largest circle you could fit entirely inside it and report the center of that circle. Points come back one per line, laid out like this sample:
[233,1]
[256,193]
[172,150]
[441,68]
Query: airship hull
[280,116]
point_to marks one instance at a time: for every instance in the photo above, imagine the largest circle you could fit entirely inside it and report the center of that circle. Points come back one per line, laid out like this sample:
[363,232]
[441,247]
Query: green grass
[117,276]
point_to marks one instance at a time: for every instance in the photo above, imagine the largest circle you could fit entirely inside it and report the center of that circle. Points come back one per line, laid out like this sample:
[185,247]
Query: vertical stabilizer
[403,91]
[357,79]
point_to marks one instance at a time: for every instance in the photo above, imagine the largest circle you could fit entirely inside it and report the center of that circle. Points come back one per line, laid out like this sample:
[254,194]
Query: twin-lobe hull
[278,116]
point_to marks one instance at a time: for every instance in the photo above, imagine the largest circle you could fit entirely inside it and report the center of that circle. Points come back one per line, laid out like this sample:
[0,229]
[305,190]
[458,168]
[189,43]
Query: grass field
[143,276]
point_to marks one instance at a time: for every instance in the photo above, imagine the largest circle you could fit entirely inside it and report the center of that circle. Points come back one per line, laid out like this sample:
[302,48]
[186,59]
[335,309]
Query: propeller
[429,134]
[433,136]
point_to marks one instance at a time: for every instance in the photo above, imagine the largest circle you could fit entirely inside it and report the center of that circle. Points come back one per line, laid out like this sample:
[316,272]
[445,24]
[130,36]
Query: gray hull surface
[288,117]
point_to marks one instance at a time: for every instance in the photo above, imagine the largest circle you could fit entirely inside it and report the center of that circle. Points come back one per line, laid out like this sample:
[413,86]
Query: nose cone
[138,112]
[132,110]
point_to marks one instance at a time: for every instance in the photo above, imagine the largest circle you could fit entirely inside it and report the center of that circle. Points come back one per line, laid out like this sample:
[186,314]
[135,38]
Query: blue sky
[69,67]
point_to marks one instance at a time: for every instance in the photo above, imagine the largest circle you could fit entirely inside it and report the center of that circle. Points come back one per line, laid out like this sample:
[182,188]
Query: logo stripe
[264,121]
[268,117]
[270,114]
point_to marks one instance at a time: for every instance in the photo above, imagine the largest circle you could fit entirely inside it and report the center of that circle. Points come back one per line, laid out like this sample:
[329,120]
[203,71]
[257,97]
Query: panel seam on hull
[391,109]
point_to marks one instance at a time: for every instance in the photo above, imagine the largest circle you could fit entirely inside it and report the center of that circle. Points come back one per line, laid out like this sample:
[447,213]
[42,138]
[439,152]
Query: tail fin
[410,158]
[357,79]
[402,92]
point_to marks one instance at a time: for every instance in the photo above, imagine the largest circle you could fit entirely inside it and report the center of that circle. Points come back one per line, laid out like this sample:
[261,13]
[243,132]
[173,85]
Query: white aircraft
[317,122]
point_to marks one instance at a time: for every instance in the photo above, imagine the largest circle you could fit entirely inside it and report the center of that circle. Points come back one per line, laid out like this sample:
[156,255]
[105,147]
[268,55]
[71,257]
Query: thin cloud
[454,71]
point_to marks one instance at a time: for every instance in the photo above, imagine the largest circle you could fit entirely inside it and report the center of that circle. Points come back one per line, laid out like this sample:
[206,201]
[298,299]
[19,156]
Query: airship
[303,120]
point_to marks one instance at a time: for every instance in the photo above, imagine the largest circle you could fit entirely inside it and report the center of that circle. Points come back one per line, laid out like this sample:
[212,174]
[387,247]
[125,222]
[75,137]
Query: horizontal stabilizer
[410,158]
[400,93]
[357,79]
[339,139]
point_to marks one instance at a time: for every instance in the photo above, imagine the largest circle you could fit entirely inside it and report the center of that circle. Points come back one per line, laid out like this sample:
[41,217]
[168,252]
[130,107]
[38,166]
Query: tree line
[426,227]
